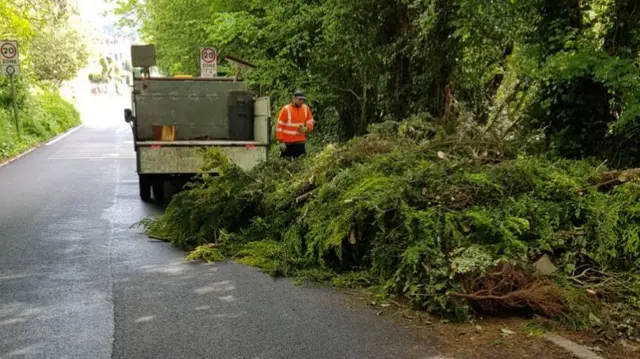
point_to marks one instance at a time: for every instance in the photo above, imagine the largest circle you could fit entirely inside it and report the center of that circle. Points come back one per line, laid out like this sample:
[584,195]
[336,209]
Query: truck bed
[207,143]
[197,109]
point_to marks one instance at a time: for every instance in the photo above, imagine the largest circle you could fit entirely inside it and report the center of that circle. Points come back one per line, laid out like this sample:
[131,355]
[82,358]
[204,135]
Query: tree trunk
[396,30]
[363,105]
[622,39]
[446,48]
[559,17]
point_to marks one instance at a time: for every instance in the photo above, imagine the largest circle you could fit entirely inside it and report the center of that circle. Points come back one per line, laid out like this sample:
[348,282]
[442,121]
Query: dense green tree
[51,51]
[58,53]
[563,71]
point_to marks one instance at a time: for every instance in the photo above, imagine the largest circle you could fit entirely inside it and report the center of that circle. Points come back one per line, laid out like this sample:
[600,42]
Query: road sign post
[208,62]
[10,66]
[15,105]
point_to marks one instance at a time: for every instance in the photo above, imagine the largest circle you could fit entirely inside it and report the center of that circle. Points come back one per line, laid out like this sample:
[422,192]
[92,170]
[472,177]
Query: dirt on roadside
[492,337]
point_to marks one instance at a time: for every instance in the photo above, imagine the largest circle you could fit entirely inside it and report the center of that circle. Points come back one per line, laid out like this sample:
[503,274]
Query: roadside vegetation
[470,157]
[51,52]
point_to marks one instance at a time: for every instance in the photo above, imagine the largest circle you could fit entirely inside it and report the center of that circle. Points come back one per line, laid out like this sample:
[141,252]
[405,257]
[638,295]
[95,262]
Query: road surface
[77,281]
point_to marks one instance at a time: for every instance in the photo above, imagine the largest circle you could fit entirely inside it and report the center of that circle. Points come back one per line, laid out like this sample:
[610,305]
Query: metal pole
[15,105]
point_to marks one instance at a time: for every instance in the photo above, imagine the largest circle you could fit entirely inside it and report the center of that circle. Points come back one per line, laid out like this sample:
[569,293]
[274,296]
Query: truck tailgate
[185,157]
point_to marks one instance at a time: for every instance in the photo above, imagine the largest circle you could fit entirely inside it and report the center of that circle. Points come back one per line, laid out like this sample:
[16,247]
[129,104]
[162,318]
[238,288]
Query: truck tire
[158,191]
[145,188]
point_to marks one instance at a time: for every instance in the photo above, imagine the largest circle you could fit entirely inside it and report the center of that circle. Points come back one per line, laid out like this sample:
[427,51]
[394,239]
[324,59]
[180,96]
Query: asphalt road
[77,281]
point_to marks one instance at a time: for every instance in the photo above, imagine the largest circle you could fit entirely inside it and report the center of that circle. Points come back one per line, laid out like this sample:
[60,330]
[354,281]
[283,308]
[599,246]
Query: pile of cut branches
[452,225]
[507,287]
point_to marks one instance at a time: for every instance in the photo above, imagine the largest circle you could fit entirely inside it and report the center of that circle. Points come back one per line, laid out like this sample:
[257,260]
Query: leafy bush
[41,117]
[417,214]
[97,78]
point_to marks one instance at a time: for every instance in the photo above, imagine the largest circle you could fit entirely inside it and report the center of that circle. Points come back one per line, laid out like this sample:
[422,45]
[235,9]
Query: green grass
[41,117]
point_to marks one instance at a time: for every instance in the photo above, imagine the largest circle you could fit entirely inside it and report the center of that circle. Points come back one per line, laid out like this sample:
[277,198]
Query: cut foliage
[449,224]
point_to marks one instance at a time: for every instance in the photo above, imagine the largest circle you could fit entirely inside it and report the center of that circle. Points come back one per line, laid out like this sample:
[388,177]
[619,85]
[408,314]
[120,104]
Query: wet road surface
[77,281]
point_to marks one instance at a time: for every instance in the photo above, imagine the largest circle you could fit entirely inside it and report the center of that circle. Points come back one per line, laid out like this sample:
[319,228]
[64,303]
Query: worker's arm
[309,120]
[282,118]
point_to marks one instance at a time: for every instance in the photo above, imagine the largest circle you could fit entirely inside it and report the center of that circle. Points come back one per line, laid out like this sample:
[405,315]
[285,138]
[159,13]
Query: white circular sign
[209,55]
[8,51]
[10,70]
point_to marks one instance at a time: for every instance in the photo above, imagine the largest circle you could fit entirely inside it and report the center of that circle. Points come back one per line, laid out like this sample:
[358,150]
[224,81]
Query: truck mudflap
[157,158]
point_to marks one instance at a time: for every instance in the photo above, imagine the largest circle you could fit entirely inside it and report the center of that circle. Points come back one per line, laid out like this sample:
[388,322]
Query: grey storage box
[240,116]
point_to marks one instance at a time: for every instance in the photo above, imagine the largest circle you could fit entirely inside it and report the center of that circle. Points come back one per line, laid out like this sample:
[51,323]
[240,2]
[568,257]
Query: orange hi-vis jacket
[290,119]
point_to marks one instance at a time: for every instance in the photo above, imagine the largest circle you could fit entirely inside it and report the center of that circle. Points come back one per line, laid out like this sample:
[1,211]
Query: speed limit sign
[9,58]
[10,66]
[208,62]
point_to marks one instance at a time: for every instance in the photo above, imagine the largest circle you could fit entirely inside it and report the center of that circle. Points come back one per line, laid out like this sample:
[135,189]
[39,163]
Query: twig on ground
[304,197]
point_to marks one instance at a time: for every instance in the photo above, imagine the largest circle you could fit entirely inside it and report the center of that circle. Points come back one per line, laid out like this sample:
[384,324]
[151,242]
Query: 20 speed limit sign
[208,62]
[9,58]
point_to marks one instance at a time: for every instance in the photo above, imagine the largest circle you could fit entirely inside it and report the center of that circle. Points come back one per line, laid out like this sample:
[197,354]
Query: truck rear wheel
[145,188]
[158,190]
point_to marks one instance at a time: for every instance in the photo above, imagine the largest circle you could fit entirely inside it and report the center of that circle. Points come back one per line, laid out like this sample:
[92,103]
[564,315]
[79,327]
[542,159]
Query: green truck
[174,118]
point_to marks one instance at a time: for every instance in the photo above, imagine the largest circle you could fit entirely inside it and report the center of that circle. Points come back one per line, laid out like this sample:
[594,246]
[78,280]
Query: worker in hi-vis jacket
[294,122]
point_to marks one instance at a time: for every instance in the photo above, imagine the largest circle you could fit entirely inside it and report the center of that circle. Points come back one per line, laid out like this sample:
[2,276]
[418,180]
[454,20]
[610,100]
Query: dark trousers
[294,150]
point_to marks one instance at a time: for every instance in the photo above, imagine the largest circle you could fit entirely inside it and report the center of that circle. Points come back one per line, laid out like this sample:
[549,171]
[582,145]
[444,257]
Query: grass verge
[41,118]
